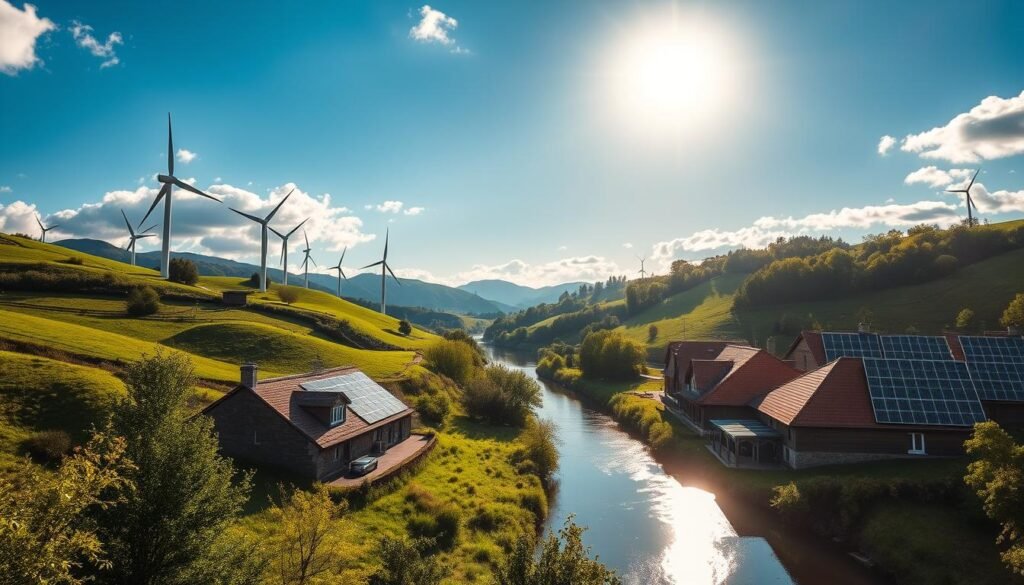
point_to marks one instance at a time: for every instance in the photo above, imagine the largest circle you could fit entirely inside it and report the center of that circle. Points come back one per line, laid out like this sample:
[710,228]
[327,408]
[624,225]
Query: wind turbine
[341,271]
[284,247]
[308,258]
[263,221]
[384,269]
[132,236]
[169,181]
[643,272]
[967,194]
[44,229]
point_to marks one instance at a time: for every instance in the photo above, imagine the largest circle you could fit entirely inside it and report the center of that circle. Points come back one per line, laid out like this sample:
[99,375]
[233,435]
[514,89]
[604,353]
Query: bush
[142,301]
[539,447]
[610,355]
[441,524]
[434,409]
[183,271]
[644,416]
[254,280]
[652,332]
[404,327]
[568,377]
[288,294]
[48,445]
[405,562]
[501,395]
[74,260]
[1013,316]
[549,365]
[451,358]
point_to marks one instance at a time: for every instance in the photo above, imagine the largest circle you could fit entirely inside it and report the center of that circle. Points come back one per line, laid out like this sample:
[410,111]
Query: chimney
[249,378]
[863,327]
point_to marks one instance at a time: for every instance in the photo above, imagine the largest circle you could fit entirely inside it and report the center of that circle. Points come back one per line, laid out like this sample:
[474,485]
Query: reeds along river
[641,521]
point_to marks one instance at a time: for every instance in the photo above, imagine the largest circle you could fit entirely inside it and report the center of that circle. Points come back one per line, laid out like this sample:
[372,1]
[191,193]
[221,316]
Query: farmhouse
[235,298]
[718,380]
[309,424]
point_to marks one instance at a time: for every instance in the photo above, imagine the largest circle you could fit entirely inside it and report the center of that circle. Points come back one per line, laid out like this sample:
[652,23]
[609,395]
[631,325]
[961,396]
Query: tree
[997,476]
[652,332]
[965,320]
[184,493]
[254,279]
[451,358]
[610,355]
[46,535]
[538,441]
[563,559]
[1013,316]
[404,562]
[183,271]
[288,294]
[501,395]
[142,301]
[404,327]
[307,546]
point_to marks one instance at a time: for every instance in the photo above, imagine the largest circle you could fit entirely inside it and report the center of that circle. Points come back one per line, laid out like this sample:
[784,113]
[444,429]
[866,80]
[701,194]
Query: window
[255,438]
[916,444]
[337,452]
[338,414]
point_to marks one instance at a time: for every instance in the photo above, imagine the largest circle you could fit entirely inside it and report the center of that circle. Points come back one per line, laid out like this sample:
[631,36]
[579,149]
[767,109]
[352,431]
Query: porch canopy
[745,443]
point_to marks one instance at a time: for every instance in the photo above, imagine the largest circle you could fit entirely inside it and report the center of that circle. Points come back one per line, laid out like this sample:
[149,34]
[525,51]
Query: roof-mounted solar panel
[916,347]
[922,392]
[993,349]
[856,345]
[369,400]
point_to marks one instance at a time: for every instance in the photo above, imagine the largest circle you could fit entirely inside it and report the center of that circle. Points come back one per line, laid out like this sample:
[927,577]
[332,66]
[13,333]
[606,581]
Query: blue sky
[502,128]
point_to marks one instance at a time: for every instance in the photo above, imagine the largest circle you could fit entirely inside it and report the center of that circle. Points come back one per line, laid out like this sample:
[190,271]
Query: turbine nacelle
[165,179]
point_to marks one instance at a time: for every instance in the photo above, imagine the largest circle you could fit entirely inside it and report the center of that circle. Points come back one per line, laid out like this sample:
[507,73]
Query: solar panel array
[993,349]
[839,345]
[922,347]
[996,365]
[367,399]
[922,392]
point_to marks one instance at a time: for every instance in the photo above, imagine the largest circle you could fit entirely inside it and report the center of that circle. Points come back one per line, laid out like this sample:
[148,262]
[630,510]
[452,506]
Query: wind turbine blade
[243,214]
[188,187]
[159,196]
[971,184]
[387,235]
[305,235]
[297,227]
[280,204]
[53,227]
[372,265]
[342,255]
[40,222]
[342,273]
[140,236]
[150,227]
[128,246]
[313,261]
[128,223]
[281,261]
[276,233]
[393,275]
[170,147]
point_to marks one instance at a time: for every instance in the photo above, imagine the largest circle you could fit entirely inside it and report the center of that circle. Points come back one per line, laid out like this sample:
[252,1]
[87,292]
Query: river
[650,526]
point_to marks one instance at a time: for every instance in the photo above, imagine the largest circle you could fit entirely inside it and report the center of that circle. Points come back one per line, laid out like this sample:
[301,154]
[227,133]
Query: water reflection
[641,521]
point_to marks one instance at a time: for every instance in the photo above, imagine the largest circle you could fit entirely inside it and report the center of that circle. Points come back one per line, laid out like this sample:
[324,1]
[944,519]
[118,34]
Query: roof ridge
[820,385]
[308,374]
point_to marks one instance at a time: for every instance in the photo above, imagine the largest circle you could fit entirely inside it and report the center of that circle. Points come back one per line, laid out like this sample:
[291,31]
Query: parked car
[363,465]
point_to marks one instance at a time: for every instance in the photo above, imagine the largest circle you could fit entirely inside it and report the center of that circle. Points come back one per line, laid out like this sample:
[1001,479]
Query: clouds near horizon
[990,130]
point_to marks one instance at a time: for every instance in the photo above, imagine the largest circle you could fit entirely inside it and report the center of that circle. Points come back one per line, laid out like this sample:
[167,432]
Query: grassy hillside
[706,310]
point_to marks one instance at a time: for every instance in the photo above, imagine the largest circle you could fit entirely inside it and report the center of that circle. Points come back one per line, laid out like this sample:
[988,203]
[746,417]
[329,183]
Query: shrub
[652,332]
[610,355]
[74,260]
[501,395]
[1013,316]
[549,365]
[568,377]
[48,445]
[644,416]
[451,358]
[183,271]
[288,294]
[405,562]
[254,280]
[535,502]
[965,320]
[404,327]
[442,525]
[434,408]
[142,301]
[539,447]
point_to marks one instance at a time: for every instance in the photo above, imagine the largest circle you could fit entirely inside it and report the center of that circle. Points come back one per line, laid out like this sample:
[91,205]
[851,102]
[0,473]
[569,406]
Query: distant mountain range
[517,295]
[412,293]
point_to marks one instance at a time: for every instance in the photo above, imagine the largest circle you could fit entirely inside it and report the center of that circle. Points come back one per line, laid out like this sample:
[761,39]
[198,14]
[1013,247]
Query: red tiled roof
[814,343]
[953,339]
[707,373]
[278,394]
[754,371]
[678,355]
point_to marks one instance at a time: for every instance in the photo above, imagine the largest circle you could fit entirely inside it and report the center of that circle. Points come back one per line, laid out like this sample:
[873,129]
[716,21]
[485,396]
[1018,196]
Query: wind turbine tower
[341,271]
[385,268]
[967,195]
[44,229]
[133,237]
[642,272]
[264,224]
[284,247]
[169,182]
[307,259]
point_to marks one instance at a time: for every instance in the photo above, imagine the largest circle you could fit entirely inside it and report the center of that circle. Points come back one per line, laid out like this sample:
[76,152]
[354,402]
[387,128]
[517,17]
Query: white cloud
[19,31]
[992,129]
[414,210]
[391,206]
[628,246]
[5,188]
[936,177]
[433,27]
[885,144]
[187,156]
[18,217]
[203,226]
[1002,201]
[83,37]
[767,229]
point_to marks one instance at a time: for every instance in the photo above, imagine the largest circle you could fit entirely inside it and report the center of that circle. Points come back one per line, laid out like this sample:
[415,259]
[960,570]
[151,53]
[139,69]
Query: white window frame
[337,415]
[337,452]
[917,444]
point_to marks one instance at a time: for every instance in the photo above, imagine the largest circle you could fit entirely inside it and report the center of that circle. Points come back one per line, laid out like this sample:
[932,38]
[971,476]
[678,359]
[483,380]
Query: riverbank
[915,520]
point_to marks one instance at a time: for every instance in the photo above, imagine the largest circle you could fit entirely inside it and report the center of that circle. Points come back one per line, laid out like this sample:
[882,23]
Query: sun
[673,75]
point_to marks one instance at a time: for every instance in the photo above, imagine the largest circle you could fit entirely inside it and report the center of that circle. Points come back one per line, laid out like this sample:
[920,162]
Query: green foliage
[306,548]
[142,301]
[501,395]
[450,358]
[254,280]
[183,271]
[1013,316]
[406,562]
[612,356]
[185,494]
[507,324]
[46,532]
[461,335]
[549,364]
[644,416]
[563,559]
[997,476]
[538,441]
[434,408]
[643,294]
[568,377]
[965,320]
[288,294]
[404,327]
[652,332]
[49,445]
